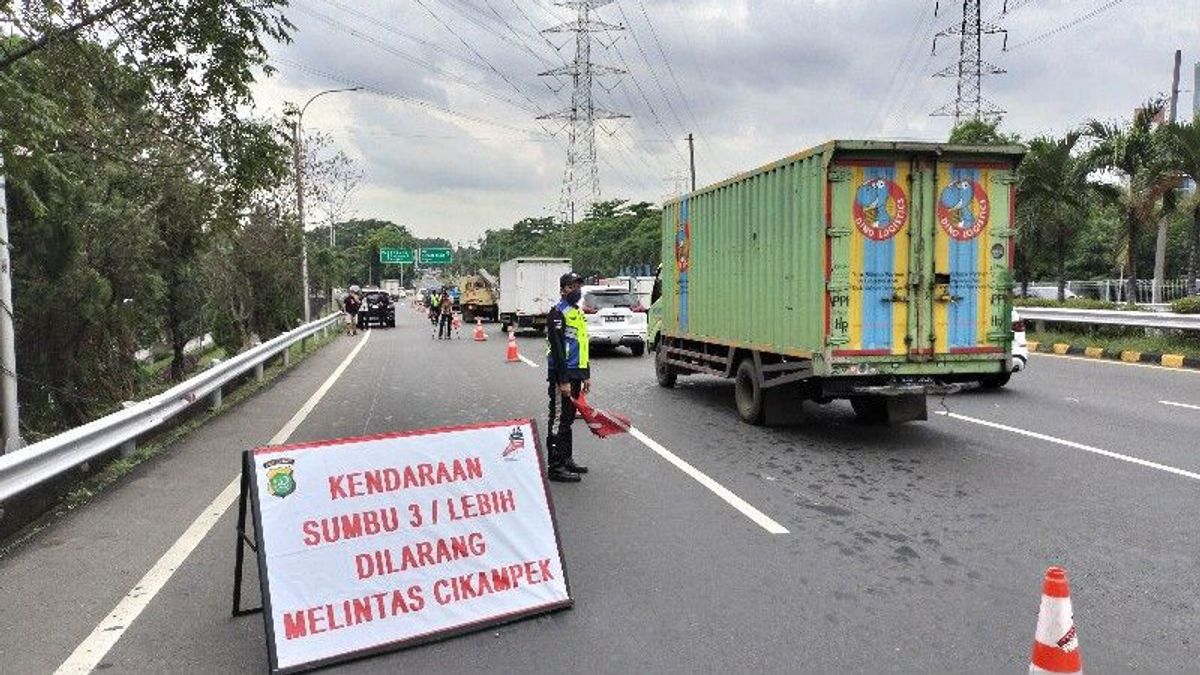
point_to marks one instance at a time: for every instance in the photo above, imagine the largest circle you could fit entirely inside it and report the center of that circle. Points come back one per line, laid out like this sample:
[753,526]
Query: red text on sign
[352,612]
[391,479]
[420,554]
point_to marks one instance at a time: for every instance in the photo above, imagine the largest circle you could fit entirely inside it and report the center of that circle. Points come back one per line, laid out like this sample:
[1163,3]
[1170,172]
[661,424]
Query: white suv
[615,318]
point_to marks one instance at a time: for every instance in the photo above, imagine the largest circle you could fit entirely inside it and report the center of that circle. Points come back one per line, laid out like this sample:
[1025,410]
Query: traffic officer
[568,376]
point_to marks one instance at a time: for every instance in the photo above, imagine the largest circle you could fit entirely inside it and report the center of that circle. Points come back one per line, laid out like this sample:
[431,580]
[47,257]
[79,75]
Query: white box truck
[528,290]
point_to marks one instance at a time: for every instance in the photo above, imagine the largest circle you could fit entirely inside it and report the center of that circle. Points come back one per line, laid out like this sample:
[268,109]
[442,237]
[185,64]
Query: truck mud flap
[891,409]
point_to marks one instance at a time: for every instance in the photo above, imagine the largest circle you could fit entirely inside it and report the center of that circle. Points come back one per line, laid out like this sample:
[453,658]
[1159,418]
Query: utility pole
[1196,91]
[1175,85]
[8,337]
[297,136]
[969,102]
[299,168]
[692,158]
[1160,244]
[581,178]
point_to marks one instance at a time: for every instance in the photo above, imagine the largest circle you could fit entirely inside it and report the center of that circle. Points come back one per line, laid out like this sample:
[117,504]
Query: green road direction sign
[395,256]
[436,256]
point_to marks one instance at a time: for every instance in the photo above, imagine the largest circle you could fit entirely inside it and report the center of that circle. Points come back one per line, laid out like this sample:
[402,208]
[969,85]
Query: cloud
[753,79]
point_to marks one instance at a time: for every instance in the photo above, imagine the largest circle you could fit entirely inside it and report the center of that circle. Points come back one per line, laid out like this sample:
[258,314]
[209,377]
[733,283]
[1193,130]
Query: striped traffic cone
[513,356]
[1055,644]
[480,335]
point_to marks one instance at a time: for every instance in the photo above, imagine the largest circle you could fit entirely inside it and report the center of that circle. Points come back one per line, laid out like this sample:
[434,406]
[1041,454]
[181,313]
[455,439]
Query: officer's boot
[557,470]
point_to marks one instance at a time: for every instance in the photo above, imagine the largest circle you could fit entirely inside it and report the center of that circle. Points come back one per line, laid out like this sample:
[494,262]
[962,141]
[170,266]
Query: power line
[350,30]
[1068,25]
[1009,8]
[653,75]
[521,41]
[920,27]
[483,25]
[671,71]
[352,82]
[392,28]
[642,92]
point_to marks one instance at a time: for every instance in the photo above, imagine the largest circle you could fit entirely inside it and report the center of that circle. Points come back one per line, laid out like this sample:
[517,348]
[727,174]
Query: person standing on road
[352,304]
[445,316]
[435,302]
[568,377]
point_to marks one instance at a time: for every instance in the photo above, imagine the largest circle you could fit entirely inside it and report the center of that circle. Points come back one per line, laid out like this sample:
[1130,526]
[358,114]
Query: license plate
[614,319]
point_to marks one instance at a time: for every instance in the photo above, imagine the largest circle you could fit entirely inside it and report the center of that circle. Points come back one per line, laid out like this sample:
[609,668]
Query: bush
[1070,303]
[1186,305]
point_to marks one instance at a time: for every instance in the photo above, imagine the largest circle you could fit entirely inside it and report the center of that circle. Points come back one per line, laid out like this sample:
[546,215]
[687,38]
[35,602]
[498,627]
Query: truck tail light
[638,308]
[1018,326]
[588,309]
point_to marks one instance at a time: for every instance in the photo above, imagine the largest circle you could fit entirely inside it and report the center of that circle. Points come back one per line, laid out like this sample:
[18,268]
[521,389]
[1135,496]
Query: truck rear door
[972,257]
[917,253]
[869,258]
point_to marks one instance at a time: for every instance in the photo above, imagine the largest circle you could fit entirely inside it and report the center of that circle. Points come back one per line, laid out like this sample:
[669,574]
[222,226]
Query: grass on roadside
[1115,342]
[87,488]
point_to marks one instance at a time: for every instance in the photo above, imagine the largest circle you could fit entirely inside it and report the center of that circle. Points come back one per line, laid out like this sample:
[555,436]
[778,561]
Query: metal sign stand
[243,541]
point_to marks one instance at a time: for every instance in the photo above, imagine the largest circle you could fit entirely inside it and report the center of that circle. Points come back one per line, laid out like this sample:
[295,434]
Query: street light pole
[297,138]
[11,439]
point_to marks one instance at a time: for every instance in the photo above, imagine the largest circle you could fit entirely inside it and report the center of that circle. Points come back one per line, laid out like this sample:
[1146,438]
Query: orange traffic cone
[512,356]
[1055,644]
[480,336]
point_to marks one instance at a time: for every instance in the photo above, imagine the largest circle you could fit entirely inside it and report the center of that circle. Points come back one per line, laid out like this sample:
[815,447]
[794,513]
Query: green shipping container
[856,269]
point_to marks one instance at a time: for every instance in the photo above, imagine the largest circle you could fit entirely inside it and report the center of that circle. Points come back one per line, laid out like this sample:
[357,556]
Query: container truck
[879,272]
[528,290]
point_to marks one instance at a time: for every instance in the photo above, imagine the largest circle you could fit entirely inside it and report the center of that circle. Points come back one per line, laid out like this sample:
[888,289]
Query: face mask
[574,296]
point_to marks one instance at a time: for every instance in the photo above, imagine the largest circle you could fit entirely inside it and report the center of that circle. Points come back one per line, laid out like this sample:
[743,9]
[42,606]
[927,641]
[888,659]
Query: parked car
[1020,348]
[615,318]
[1020,354]
[1047,293]
[377,309]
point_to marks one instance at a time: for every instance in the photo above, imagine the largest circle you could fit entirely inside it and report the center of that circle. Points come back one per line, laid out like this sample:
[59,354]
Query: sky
[445,133]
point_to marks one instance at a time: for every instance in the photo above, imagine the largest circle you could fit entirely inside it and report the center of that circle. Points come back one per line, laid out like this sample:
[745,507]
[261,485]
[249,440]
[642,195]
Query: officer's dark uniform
[567,360]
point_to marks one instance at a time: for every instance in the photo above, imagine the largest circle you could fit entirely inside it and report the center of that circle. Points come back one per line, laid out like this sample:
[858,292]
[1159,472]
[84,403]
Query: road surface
[913,548]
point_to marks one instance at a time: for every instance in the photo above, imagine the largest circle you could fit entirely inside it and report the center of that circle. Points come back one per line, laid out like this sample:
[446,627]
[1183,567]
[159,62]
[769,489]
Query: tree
[1134,172]
[981,132]
[1184,141]
[1051,189]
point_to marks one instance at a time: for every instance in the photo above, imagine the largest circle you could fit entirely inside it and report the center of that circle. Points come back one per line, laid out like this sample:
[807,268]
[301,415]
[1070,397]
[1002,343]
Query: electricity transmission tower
[971,68]
[581,179]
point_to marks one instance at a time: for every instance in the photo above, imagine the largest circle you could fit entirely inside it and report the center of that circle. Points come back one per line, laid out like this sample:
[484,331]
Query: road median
[1112,353]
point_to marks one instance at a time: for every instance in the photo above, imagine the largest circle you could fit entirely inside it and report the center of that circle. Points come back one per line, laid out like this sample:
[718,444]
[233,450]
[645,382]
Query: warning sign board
[375,543]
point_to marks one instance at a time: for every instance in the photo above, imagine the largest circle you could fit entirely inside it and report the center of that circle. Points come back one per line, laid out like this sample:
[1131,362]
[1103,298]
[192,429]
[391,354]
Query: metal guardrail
[34,464]
[1111,317]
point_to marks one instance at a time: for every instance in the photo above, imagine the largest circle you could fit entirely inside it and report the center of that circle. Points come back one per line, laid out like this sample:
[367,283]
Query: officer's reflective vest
[575,338]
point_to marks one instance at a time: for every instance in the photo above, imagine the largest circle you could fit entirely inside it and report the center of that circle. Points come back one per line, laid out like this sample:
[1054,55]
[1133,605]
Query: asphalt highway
[912,548]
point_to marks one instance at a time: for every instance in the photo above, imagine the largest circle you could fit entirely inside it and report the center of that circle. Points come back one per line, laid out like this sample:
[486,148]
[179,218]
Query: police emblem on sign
[281,479]
[516,441]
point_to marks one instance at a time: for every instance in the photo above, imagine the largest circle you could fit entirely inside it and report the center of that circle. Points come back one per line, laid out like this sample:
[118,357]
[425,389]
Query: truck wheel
[748,393]
[663,372]
[468,316]
[638,349]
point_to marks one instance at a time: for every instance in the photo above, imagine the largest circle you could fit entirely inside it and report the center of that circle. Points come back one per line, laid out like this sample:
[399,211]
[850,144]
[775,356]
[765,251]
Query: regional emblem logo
[516,441]
[683,245]
[880,209]
[963,209]
[281,479]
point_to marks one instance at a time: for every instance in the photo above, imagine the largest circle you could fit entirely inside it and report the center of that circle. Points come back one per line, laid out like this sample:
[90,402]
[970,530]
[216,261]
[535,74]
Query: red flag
[602,423]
